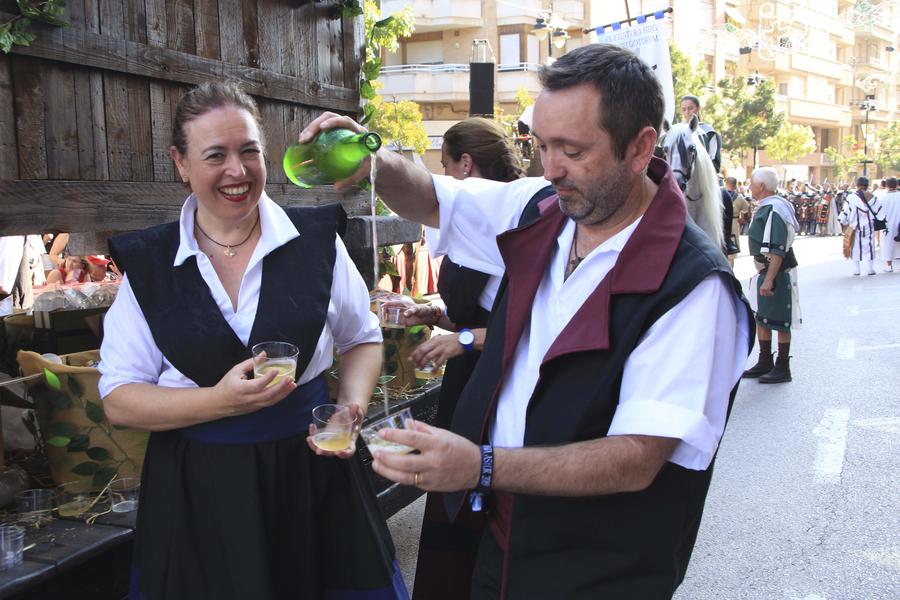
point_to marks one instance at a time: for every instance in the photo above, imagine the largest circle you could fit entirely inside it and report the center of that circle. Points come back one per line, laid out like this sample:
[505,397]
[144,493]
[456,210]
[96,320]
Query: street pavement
[804,502]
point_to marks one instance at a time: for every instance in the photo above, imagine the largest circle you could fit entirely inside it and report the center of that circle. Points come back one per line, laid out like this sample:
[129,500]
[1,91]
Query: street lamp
[550,27]
[867,105]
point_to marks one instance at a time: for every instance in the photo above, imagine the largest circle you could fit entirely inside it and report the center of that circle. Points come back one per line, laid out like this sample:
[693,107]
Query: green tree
[888,155]
[400,123]
[746,119]
[790,143]
[688,79]
[846,161]
[380,34]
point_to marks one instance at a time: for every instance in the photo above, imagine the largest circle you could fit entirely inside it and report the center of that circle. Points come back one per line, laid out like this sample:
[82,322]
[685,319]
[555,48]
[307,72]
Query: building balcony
[821,114]
[869,64]
[877,32]
[571,11]
[438,15]
[512,78]
[524,13]
[426,83]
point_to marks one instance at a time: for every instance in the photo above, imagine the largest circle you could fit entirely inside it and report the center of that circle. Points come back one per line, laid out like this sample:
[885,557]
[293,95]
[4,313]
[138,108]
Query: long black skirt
[266,521]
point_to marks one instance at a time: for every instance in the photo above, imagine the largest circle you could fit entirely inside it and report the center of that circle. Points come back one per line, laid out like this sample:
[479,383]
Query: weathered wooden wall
[85,112]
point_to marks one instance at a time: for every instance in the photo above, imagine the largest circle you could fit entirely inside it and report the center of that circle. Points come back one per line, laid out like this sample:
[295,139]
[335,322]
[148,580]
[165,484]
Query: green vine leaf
[79,443]
[16,30]
[85,468]
[75,387]
[98,453]
[384,22]
[94,412]
[366,90]
[59,441]
[104,475]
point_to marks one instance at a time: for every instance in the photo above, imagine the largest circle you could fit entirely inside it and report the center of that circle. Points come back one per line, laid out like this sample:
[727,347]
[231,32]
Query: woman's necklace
[229,248]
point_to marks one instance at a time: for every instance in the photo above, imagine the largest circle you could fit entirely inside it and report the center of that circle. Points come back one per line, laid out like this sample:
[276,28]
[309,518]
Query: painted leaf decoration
[52,379]
[75,387]
[94,412]
[59,441]
[79,443]
[103,476]
[85,468]
[63,428]
[98,453]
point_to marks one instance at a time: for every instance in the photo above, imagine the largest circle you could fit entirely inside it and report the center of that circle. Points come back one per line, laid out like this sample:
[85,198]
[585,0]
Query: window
[425,53]
[510,50]
[783,88]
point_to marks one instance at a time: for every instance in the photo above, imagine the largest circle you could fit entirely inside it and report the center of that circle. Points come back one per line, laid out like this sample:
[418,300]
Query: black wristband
[485,480]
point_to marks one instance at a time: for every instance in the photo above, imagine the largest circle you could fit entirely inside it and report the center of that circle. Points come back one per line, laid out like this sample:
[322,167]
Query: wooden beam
[77,206]
[78,47]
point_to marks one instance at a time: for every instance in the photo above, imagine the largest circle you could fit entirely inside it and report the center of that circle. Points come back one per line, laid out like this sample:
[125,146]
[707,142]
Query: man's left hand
[446,462]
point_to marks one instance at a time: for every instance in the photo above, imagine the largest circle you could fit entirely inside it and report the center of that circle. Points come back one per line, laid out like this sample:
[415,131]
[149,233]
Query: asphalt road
[805,501]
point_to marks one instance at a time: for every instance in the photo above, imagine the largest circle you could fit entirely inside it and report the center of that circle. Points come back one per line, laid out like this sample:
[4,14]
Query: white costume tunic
[890,211]
[860,216]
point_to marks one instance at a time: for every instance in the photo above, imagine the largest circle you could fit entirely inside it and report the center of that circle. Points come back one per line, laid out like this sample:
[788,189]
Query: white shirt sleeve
[128,353]
[349,318]
[677,382]
[474,211]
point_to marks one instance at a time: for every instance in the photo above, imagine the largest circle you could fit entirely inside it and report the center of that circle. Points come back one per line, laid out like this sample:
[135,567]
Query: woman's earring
[465,172]
[185,179]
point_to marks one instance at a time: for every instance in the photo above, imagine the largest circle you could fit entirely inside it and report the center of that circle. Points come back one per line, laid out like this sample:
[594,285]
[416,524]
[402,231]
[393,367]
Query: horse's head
[678,147]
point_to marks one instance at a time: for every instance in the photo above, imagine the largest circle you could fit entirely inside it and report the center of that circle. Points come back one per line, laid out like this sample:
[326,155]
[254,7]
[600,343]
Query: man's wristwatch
[466,339]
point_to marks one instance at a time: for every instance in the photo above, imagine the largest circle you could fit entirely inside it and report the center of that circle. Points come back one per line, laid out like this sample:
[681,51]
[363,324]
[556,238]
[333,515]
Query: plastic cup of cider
[334,425]
[397,420]
[280,357]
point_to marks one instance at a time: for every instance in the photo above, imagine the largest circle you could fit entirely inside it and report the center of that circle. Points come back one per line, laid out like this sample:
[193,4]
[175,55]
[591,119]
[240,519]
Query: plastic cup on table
[35,504]
[333,427]
[392,316]
[73,498]
[398,420]
[278,356]
[124,494]
[12,545]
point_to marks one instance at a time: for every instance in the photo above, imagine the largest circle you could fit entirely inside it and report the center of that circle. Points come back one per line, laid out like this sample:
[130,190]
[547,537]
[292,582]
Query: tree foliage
[400,123]
[16,31]
[688,79]
[846,161]
[790,143]
[888,155]
[745,118]
[380,34]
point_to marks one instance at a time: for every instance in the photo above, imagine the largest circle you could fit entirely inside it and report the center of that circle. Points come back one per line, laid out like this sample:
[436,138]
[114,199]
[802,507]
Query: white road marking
[832,431]
[846,349]
[879,347]
[889,557]
[884,424]
[853,310]
[875,309]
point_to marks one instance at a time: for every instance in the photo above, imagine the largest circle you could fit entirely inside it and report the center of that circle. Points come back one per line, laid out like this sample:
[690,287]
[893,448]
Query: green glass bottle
[335,154]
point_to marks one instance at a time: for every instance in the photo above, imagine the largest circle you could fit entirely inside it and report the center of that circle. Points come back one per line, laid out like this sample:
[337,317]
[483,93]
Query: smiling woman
[235,501]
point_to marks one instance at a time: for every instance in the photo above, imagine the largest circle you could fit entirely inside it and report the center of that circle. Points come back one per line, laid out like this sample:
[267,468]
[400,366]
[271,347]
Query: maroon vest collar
[640,269]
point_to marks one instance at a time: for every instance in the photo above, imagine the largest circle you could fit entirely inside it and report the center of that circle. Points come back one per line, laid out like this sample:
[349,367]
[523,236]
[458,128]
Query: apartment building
[833,62]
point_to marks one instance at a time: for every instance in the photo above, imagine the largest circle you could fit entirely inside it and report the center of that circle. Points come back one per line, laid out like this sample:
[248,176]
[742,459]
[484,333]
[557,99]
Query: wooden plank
[304,23]
[92,16]
[354,49]
[118,134]
[161,113]
[93,160]
[157,27]
[251,32]
[272,114]
[287,36]
[206,28]
[135,14]
[139,130]
[29,107]
[231,30]
[111,54]
[269,36]
[111,19]
[9,153]
[77,206]
[330,47]
[180,26]
[60,118]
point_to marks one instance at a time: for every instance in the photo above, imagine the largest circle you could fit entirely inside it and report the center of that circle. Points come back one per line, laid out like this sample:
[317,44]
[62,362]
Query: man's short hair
[862,181]
[767,176]
[731,181]
[693,99]
[891,183]
[630,95]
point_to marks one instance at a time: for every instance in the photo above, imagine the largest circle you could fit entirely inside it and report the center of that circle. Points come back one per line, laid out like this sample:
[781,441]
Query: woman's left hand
[439,349]
[348,452]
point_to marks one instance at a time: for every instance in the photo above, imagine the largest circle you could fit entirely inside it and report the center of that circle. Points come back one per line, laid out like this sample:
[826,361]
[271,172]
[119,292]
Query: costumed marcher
[236,501]
[859,216]
[610,295]
[20,268]
[771,239]
[740,206]
[690,106]
[474,147]
[890,209]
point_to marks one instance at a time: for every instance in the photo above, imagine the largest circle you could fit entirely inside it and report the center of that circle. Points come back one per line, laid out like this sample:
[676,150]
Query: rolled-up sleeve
[128,353]
[349,318]
[677,382]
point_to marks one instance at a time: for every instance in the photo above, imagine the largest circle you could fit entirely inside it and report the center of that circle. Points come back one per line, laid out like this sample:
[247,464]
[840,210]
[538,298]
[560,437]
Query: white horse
[683,149]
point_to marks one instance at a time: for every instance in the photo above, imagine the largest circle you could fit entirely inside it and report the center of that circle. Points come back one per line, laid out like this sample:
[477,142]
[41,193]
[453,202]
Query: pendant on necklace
[229,252]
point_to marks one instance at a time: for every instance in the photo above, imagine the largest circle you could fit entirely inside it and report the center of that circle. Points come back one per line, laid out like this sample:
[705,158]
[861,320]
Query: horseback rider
[690,105]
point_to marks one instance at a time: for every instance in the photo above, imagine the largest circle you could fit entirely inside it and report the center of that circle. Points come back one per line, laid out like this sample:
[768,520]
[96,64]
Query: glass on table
[124,494]
[280,357]
[73,498]
[34,505]
[428,371]
[12,545]
[334,425]
[399,420]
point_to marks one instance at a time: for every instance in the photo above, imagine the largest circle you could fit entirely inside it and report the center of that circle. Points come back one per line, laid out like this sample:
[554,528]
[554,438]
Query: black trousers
[487,579]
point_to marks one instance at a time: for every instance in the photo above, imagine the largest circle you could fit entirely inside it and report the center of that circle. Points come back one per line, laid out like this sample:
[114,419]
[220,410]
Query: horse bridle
[688,155]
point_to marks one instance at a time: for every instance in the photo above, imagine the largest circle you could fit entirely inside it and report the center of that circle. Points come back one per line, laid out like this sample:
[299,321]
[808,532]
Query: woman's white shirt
[130,355]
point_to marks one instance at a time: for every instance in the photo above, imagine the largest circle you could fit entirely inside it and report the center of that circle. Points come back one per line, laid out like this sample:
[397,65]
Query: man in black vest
[589,427]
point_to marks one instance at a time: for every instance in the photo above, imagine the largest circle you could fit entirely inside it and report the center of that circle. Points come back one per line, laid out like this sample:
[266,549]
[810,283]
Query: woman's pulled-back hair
[489,146]
[204,98]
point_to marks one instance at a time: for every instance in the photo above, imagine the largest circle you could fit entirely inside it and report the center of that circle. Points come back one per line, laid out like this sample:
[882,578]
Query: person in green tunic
[771,236]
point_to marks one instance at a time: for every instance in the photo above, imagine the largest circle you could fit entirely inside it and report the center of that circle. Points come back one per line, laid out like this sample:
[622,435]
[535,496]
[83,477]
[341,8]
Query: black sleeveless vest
[186,323]
[627,545]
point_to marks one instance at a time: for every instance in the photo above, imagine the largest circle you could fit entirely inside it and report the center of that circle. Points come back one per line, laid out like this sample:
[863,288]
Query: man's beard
[600,202]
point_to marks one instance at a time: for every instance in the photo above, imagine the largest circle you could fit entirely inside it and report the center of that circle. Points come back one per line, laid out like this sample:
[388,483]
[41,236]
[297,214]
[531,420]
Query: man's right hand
[330,120]
[240,395]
